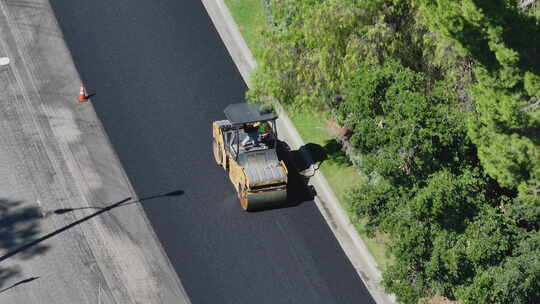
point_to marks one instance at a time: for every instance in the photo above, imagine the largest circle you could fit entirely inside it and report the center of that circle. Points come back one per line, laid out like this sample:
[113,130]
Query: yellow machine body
[259,178]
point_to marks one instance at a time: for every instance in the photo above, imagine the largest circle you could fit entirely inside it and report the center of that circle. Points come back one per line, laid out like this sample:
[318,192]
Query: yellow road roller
[245,146]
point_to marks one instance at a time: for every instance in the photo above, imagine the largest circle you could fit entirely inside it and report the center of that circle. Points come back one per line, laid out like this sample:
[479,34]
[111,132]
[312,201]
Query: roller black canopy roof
[241,113]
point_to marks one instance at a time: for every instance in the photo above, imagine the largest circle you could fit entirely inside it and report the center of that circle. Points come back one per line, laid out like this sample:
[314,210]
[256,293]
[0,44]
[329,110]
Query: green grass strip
[251,20]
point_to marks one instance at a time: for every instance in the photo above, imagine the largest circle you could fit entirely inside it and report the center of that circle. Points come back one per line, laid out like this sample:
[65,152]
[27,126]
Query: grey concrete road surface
[54,156]
[161,76]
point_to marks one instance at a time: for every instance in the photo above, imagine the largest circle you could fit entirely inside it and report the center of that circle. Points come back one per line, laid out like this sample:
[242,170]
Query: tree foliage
[504,44]
[443,100]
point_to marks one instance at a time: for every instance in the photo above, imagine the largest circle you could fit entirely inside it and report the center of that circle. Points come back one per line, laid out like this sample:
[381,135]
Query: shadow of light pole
[173,193]
[84,219]
[19,283]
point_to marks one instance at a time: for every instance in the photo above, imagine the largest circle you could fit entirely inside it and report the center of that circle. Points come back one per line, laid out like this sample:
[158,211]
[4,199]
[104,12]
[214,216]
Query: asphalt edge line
[326,201]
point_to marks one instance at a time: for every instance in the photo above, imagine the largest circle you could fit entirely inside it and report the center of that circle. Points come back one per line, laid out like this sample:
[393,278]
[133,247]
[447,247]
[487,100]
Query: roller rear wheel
[218,153]
[242,196]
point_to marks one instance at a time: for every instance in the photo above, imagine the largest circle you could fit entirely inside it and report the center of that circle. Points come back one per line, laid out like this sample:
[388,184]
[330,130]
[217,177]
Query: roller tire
[242,196]
[218,154]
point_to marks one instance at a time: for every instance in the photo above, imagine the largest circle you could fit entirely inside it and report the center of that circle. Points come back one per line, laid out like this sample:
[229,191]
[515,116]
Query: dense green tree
[503,42]
[309,44]
[404,133]
[443,100]
[516,280]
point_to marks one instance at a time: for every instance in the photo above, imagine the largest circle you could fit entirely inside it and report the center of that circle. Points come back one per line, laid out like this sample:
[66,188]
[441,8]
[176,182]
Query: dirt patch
[340,132]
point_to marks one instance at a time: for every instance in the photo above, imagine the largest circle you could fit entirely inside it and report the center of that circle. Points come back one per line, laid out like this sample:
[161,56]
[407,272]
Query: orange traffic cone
[83,96]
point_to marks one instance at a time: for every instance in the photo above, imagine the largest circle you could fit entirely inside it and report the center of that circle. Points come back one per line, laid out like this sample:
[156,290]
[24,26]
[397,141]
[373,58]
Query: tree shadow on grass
[335,152]
[302,165]
[311,156]
[18,225]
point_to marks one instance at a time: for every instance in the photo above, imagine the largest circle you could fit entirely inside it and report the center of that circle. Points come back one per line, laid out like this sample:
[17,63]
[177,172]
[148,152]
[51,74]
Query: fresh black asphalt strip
[161,76]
